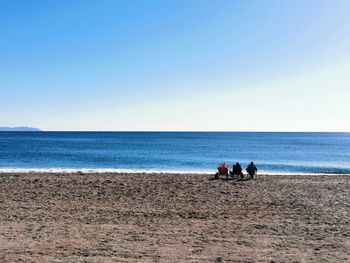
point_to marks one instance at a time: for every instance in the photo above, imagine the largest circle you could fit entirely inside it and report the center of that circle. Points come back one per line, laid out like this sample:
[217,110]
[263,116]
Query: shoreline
[106,171]
[167,218]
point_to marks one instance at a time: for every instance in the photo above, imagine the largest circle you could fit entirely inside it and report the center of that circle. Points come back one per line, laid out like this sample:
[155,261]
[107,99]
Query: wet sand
[173,218]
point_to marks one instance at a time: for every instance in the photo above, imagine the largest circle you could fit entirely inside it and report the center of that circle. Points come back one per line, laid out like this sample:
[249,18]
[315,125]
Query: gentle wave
[96,170]
[138,171]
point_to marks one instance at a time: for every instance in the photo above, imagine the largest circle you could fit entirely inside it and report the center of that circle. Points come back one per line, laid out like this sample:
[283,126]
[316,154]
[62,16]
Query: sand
[173,218]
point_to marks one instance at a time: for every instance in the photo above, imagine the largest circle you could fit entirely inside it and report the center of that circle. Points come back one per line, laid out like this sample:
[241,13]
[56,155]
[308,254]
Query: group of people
[236,170]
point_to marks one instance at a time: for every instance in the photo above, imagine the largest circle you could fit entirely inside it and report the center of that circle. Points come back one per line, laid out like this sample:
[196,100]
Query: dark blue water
[174,151]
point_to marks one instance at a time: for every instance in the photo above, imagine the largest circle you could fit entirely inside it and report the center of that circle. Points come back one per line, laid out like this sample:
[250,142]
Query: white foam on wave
[298,173]
[133,171]
[97,170]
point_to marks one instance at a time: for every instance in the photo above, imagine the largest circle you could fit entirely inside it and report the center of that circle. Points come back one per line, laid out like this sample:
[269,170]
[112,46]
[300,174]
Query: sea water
[199,152]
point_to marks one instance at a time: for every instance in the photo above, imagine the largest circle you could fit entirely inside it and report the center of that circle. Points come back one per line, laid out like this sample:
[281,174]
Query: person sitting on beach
[222,170]
[251,170]
[237,170]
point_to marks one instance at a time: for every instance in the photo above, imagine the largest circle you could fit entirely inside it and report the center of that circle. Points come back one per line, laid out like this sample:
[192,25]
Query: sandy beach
[173,218]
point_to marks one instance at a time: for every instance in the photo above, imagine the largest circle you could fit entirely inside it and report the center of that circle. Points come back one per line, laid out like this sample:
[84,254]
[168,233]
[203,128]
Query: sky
[184,65]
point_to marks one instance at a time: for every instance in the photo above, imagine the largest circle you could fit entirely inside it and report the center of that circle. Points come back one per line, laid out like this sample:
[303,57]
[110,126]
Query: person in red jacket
[222,170]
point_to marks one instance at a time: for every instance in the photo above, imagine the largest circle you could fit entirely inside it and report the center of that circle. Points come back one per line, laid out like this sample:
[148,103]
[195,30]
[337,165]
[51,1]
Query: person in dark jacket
[237,170]
[251,170]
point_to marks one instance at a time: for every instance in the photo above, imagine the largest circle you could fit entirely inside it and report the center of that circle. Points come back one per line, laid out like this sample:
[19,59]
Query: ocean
[185,152]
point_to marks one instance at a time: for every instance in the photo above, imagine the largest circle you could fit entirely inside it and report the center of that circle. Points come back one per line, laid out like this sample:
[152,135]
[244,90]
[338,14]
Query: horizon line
[183,131]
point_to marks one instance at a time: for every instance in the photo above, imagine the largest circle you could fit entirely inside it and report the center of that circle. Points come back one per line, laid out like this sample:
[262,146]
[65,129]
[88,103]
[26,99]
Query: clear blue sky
[175,65]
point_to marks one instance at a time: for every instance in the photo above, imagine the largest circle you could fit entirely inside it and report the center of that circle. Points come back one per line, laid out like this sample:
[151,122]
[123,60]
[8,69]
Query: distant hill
[19,129]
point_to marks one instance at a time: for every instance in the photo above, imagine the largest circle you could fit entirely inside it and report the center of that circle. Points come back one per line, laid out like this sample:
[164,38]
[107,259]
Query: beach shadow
[229,179]
[221,179]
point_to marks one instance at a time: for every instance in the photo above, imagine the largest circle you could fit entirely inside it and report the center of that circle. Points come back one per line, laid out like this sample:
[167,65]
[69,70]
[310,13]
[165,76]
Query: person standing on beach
[251,170]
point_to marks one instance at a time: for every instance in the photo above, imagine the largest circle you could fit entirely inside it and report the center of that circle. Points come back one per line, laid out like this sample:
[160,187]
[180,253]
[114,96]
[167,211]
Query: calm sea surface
[174,151]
